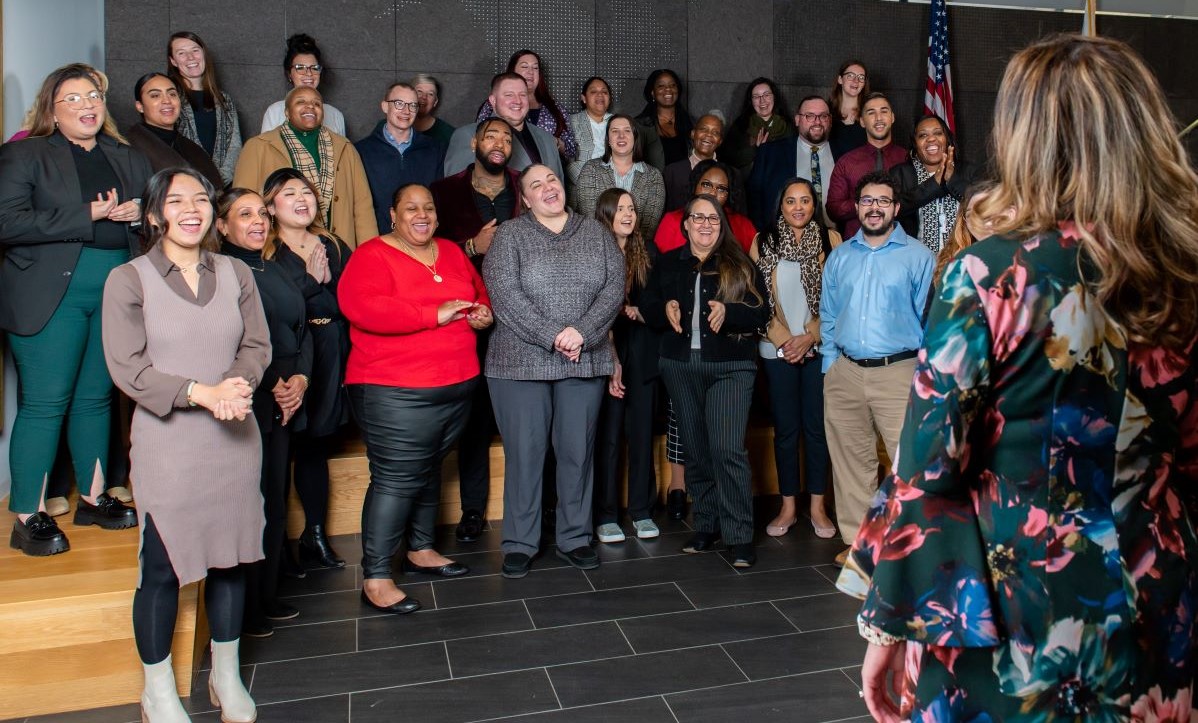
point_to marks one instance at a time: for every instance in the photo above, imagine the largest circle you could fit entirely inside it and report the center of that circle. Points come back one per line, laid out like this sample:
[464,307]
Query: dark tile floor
[652,635]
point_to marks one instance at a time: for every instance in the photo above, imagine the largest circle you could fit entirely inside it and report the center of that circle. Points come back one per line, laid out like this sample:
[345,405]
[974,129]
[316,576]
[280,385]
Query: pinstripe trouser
[712,401]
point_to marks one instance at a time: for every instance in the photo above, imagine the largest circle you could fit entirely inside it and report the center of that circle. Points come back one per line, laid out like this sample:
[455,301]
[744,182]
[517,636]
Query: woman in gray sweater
[556,281]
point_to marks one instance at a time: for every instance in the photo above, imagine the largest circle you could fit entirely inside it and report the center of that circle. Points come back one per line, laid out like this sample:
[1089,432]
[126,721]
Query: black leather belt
[884,361]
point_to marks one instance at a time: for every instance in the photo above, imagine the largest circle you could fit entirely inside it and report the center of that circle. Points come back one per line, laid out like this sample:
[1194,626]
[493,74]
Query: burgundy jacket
[457,217]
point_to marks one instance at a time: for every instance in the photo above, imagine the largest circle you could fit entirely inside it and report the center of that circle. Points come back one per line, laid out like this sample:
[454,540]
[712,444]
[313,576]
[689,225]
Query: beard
[487,164]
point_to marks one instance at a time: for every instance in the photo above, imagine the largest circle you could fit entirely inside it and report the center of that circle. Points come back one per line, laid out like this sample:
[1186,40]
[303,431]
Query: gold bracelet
[470,250]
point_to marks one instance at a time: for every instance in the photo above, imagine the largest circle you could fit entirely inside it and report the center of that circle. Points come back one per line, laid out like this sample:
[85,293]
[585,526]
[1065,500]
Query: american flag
[938,97]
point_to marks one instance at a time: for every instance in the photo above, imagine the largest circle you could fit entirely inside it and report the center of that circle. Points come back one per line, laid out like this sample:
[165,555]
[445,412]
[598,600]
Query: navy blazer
[773,166]
[44,224]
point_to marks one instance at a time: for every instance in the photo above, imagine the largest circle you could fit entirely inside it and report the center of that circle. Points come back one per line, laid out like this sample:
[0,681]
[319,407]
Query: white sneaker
[646,529]
[610,532]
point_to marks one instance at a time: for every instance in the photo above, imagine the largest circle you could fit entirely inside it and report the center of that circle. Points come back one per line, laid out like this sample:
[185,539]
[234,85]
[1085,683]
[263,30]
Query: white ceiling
[1161,8]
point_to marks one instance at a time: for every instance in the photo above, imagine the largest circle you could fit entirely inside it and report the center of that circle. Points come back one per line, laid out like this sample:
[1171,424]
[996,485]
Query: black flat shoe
[315,552]
[403,607]
[743,555]
[108,512]
[452,569]
[702,542]
[38,536]
[471,526]
[516,565]
[257,629]
[584,558]
[676,504]
[279,611]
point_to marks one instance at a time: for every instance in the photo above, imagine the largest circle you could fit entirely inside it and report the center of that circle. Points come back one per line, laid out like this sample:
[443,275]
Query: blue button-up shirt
[873,299]
[400,146]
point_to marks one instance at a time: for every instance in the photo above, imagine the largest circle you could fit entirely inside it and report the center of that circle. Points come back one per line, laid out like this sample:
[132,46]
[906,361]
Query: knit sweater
[541,282]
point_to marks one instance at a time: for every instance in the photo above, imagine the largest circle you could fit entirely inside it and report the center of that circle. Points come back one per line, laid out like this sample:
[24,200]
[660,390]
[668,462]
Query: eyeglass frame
[314,68]
[881,202]
[702,220]
[397,104]
[813,117]
[850,75]
[96,96]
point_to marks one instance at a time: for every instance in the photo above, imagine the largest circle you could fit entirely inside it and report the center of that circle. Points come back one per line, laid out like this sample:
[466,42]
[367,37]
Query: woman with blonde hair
[1031,557]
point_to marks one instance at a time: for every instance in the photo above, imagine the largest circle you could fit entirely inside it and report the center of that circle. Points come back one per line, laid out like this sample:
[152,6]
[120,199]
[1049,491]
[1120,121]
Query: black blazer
[636,342]
[673,278]
[44,224]
[914,195]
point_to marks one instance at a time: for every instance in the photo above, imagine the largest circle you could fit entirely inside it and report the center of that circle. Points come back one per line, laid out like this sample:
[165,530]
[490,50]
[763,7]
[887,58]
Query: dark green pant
[60,373]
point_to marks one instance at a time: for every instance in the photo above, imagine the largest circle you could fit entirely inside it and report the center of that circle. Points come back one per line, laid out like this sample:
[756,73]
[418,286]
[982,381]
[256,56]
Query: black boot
[315,551]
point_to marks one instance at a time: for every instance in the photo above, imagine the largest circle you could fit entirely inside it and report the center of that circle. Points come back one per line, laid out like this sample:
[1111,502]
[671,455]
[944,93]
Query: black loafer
[676,504]
[470,528]
[257,629]
[108,512]
[38,536]
[584,558]
[279,611]
[516,565]
[403,607]
[452,569]
[743,555]
[702,542]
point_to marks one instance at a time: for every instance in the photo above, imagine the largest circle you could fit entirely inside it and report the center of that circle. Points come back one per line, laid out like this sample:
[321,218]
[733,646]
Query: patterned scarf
[302,161]
[931,234]
[805,252]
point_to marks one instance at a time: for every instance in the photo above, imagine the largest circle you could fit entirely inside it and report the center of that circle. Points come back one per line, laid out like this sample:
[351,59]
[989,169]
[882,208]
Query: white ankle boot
[225,686]
[160,701]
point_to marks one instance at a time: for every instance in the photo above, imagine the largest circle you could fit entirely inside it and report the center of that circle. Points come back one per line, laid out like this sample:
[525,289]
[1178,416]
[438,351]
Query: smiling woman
[157,98]
[303,65]
[623,166]
[208,116]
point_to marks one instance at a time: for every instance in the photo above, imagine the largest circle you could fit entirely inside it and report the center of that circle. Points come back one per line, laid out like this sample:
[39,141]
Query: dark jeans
[407,432]
[629,418]
[797,400]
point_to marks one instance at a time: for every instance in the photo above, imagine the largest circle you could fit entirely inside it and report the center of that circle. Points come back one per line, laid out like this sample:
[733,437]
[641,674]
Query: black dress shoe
[743,555]
[315,552]
[403,607]
[584,558]
[257,629]
[516,565]
[38,536]
[452,569]
[702,542]
[278,611]
[108,512]
[676,504]
[471,526]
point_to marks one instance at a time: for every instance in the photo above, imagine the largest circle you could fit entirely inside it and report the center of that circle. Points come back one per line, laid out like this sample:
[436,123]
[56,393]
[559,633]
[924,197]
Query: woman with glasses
[763,118]
[932,183]
[303,65]
[710,303]
[69,211]
[708,178]
[623,166]
[848,95]
[209,116]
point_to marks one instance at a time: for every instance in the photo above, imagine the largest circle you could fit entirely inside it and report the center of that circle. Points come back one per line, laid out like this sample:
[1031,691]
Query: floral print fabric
[1035,544]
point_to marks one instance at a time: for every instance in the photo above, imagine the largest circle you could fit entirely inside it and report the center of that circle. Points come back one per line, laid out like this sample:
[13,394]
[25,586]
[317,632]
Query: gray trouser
[529,414]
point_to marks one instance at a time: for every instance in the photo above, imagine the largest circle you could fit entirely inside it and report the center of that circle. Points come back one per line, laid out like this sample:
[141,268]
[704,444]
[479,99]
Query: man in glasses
[395,153]
[509,98]
[875,288]
[706,138]
[879,153]
[807,155]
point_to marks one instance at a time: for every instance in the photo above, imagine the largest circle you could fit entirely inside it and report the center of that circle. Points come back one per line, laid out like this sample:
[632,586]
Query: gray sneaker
[610,532]
[646,529]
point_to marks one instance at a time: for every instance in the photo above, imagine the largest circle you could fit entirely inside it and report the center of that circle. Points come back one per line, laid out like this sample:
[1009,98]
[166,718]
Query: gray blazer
[459,155]
[580,123]
[648,190]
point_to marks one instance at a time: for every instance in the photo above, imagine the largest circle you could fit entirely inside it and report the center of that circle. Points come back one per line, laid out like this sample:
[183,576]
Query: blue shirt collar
[897,236]
[401,147]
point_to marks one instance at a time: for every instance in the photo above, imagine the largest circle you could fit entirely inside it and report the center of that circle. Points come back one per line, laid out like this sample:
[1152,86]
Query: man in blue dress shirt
[875,289]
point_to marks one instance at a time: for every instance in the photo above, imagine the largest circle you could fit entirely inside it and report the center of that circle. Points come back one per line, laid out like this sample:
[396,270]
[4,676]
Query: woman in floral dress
[1032,556]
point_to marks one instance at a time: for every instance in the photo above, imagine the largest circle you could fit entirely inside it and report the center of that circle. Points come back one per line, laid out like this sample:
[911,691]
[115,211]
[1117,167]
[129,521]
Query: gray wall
[716,45]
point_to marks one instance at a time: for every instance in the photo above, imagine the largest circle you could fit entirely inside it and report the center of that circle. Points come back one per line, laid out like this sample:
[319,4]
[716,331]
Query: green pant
[61,372]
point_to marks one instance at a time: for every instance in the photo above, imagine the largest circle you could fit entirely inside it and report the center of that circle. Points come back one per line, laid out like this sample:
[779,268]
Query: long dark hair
[153,200]
[211,87]
[949,137]
[682,118]
[304,44]
[747,110]
[733,266]
[771,239]
[541,92]
[838,95]
[270,188]
[636,256]
[638,145]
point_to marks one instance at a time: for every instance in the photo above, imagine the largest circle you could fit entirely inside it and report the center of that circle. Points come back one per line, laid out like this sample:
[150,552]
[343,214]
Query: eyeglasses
[709,186]
[301,68]
[401,105]
[762,96]
[868,201]
[813,117]
[700,220]
[850,75]
[75,100]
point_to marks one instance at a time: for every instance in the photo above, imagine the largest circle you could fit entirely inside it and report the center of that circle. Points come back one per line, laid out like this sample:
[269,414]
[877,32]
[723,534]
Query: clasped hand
[229,400]
[569,343]
[289,395]
[797,348]
[318,265]
[106,207]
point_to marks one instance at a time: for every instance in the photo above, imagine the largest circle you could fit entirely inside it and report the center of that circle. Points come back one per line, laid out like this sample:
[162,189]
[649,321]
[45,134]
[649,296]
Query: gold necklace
[432,268]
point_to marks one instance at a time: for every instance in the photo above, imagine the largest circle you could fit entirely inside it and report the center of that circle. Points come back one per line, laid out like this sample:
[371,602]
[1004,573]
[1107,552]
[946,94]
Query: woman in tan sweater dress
[185,337]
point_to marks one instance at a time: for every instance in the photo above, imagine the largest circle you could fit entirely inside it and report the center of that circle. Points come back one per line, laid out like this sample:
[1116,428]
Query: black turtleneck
[166,135]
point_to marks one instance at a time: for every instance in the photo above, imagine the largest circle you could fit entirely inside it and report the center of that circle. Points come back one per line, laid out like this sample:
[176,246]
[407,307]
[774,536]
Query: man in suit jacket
[509,98]
[807,155]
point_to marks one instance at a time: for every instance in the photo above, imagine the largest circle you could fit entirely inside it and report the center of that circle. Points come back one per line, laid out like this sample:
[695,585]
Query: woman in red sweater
[712,178]
[413,303]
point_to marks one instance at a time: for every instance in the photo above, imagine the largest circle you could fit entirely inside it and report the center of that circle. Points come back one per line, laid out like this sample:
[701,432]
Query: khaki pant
[860,405]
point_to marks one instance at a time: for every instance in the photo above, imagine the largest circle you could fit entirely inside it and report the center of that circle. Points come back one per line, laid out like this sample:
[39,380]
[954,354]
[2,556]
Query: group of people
[549,276]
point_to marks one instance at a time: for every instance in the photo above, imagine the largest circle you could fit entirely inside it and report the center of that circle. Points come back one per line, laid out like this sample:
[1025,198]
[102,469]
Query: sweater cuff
[429,317]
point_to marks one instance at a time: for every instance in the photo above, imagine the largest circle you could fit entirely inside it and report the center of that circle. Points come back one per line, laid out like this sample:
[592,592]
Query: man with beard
[807,155]
[879,154]
[875,286]
[396,154]
[530,144]
[470,204]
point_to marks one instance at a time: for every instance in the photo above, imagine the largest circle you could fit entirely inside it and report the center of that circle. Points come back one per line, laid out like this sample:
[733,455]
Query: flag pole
[1189,128]
[1091,25]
